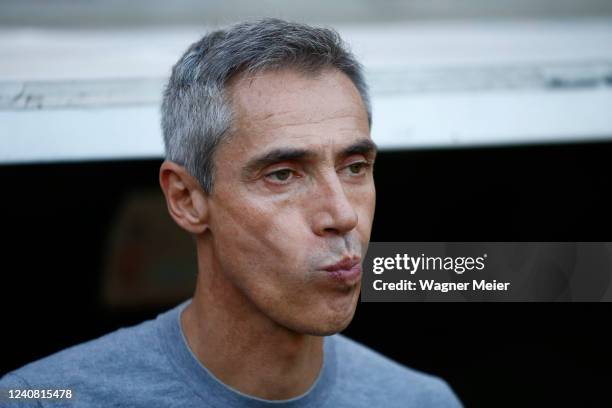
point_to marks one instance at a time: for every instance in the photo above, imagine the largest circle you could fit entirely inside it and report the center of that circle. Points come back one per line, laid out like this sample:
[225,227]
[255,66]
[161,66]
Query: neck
[244,348]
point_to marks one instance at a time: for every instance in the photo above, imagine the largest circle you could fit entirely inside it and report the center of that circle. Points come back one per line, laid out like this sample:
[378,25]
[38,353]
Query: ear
[186,200]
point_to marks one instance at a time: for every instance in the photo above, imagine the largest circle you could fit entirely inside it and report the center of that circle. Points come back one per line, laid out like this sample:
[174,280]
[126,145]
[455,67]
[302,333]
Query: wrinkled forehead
[288,108]
[290,94]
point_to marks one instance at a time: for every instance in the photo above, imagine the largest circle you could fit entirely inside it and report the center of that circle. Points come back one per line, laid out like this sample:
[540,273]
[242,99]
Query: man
[269,166]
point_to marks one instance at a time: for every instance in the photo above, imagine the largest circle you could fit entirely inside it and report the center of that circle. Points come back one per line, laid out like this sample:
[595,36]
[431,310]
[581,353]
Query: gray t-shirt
[151,365]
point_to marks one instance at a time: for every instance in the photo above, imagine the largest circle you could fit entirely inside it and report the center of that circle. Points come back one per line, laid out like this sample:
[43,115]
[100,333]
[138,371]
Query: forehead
[290,108]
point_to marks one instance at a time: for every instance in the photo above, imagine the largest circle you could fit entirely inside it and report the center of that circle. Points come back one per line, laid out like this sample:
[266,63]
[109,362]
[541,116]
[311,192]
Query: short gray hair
[196,114]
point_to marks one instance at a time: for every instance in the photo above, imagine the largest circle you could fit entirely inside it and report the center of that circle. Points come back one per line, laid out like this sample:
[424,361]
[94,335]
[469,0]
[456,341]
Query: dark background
[55,221]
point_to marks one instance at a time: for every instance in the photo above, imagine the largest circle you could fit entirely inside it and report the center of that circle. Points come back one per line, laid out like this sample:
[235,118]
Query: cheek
[364,201]
[261,233]
[263,250]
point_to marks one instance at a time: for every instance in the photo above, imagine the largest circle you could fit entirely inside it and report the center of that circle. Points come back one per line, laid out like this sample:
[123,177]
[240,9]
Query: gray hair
[196,114]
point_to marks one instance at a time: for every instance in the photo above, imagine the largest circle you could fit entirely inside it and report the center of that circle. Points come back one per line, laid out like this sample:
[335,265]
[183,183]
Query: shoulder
[103,365]
[381,380]
[112,352]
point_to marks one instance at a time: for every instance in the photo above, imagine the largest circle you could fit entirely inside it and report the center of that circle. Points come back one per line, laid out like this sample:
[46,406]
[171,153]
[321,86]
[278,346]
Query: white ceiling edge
[400,123]
[120,73]
[80,134]
[35,54]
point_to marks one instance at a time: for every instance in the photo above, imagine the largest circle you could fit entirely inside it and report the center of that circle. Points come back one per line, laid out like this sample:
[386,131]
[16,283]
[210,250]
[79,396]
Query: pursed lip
[347,263]
[348,270]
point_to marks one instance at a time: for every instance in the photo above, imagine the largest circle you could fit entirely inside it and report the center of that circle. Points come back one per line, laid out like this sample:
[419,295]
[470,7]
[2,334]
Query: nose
[334,212]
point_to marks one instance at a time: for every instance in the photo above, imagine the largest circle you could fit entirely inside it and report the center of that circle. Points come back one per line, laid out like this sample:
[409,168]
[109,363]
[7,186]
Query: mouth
[347,270]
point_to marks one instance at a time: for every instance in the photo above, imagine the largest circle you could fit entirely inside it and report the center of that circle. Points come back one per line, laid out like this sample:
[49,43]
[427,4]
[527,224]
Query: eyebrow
[364,146]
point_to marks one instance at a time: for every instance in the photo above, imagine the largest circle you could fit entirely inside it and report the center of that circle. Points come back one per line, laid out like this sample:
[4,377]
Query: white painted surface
[93,94]
[492,118]
[80,134]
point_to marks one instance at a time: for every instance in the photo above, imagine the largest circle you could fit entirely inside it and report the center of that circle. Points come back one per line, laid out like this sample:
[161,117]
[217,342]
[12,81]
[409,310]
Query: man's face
[294,196]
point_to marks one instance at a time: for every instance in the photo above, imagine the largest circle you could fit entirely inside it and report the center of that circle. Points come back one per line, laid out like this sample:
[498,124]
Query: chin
[326,323]
[332,329]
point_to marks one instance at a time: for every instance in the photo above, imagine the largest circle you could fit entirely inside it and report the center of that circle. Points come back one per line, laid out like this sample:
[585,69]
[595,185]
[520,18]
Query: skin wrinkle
[300,123]
[247,80]
[262,300]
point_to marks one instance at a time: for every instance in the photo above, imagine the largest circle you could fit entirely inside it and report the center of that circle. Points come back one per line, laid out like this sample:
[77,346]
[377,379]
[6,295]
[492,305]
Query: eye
[280,176]
[357,168]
